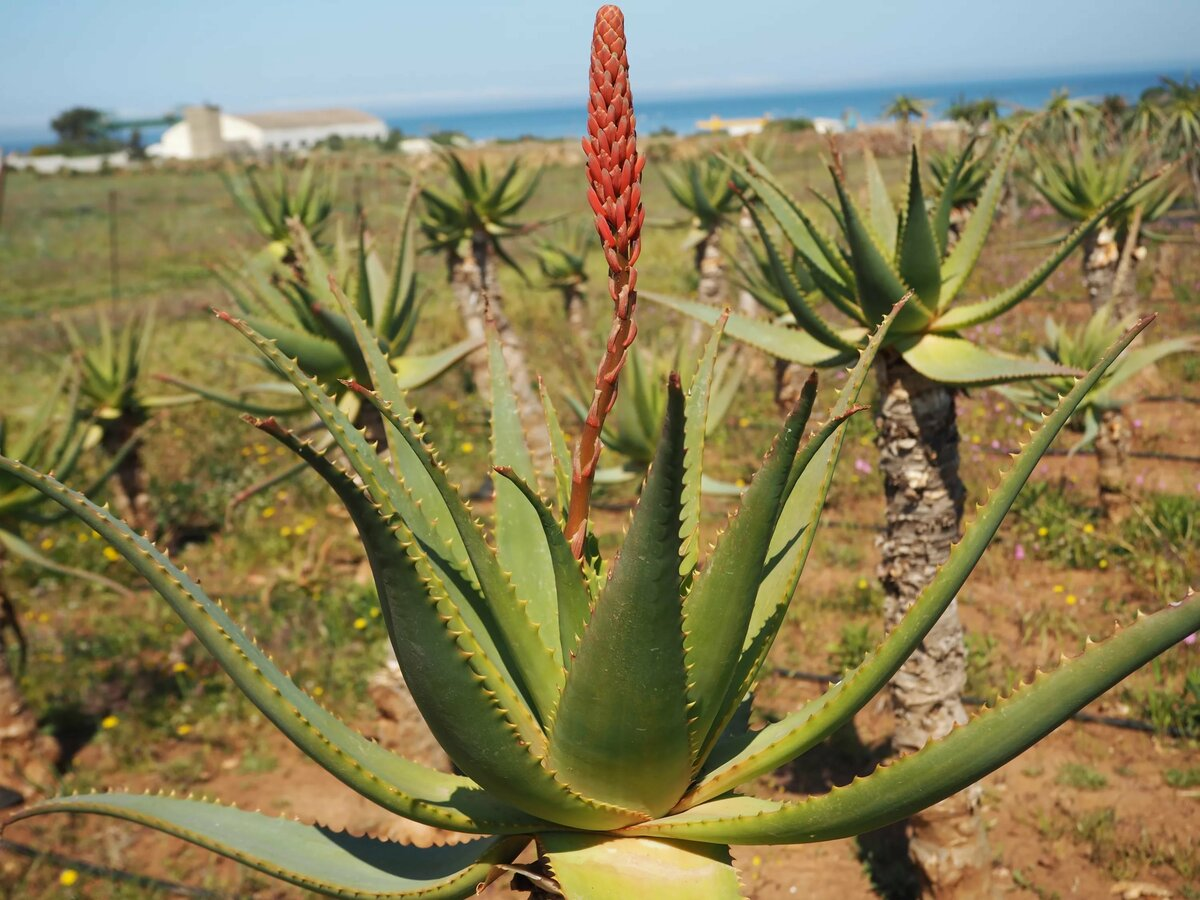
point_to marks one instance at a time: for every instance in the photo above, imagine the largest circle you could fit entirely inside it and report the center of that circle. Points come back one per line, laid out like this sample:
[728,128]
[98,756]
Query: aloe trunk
[575,308]
[472,276]
[1110,269]
[918,451]
[1112,449]
[710,269]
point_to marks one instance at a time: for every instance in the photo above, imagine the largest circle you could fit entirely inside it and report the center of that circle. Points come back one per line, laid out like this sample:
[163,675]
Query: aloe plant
[703,188]
[293,304]
[1089,177]
[112,397]
[562,260]
[964,173]
[1171,110]
[1099,419]
[632,431]
[470,222]
[53,439]
[596,710]
[272,206]
[883,254]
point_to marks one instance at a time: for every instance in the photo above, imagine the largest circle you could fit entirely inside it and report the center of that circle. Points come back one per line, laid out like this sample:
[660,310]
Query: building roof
[308,118]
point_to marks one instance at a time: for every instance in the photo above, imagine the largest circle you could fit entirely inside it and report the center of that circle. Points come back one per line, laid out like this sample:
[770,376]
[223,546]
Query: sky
[134,57]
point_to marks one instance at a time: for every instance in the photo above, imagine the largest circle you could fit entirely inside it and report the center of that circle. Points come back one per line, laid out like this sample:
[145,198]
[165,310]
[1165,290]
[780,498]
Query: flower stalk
[614,171]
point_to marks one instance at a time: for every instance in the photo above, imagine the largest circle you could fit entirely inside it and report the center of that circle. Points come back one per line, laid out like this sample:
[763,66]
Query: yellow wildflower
[360,623]
[68,877]
[111,555]
[109,722]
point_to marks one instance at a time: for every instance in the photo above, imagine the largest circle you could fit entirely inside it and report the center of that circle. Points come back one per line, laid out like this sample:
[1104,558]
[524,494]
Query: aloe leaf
[414,791]
[984,310]
[784,740]
[717,610]
[417,499]
[956,361]
[779,341]
[15,546]
[881,212]
[521,548]
[417,370]
[601,867]
[959,264]
[879,285]
[558,446]
[945,205]
[796,528]
[1134,361]
[571,589]
[237,400]
[944,767]
[316,857]
[919,259]
[524,652]
[694,431]
[316,355]
[806,317]
[824,261]
[632,651]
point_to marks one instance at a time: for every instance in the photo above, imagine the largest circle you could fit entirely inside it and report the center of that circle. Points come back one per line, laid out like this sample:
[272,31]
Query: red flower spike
[614,171]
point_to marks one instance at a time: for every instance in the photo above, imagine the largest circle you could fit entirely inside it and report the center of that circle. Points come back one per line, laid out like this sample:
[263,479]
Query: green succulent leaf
[415,791]
[18,548]
[919,258]
[794,734]
[521,547]
[633,647]
[944,767]
[321,859]
[880,211]
[779,341]
[695,429]
[959,362]
[714,622]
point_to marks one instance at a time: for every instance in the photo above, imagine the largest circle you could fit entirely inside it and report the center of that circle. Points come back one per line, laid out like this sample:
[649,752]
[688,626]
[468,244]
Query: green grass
[1080,777]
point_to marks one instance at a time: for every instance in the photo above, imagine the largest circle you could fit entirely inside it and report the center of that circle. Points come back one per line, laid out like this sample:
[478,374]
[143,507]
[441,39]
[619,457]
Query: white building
[206,131]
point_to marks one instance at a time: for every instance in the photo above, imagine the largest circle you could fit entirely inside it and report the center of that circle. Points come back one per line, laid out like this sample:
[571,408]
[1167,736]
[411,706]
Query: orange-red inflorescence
[614,171]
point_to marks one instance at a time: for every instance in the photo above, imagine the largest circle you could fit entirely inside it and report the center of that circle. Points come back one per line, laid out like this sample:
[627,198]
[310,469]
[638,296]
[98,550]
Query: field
[1099,808]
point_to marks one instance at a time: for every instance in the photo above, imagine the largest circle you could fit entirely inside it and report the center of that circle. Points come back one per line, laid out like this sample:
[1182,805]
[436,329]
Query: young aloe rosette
[883,253]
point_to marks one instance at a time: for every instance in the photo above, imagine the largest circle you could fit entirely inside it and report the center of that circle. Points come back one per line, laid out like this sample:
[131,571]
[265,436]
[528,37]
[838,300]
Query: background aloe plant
[703,188]
[1099,417]
[470,222]
[562,259]
[112,397]
[272,206]
[632,431]
[1088,178]
[883,254]
[53,439]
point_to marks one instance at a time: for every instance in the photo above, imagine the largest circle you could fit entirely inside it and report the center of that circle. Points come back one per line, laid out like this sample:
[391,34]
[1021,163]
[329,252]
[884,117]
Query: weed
[1080,777]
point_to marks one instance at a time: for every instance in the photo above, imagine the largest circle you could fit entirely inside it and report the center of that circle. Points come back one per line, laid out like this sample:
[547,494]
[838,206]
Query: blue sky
[147,56]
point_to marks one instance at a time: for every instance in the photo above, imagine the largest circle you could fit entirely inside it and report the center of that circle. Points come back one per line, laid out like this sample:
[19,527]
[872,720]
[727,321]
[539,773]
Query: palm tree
[563,262]
[904,108]
[469,222]
[704,190]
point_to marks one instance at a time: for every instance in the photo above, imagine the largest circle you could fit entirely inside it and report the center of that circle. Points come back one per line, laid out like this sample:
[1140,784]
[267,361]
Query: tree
[80,125]
[469,222]
[1172,109]
[563,262]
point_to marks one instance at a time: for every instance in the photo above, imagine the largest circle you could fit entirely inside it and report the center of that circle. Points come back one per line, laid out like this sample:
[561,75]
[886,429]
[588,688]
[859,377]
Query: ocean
[680,114]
